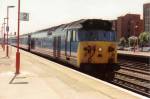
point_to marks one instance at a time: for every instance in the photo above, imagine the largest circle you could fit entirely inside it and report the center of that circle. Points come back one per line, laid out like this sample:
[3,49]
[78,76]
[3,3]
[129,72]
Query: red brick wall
[129,25]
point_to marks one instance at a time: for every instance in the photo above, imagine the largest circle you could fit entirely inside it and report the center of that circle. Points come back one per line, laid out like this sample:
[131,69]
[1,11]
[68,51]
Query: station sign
[24,16]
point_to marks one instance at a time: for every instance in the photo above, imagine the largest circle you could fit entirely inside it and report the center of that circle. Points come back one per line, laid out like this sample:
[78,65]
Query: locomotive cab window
[96,35]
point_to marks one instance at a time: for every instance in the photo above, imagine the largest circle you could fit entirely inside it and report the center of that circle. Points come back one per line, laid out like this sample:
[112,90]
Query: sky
[48,13]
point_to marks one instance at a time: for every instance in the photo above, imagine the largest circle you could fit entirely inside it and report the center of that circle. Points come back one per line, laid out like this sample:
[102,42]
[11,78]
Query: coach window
[69,36]
[74,36]
[77,38]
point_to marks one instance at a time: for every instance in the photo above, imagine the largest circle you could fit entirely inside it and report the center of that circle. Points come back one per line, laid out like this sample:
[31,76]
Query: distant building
[129,25]
[146,17]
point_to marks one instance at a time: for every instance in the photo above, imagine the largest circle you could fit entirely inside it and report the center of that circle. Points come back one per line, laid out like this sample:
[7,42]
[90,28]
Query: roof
[89,24]
[75,24]
[83,24]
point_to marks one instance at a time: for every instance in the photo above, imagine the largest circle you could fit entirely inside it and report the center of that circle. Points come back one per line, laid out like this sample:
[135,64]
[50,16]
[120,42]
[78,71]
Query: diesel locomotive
[88,44]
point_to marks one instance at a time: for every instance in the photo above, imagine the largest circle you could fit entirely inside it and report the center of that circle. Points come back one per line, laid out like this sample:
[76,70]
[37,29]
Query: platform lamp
[7,28]
[4,35]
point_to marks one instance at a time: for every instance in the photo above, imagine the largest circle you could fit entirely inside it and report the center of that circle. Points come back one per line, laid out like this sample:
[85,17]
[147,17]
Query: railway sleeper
[139,84]
[131,75]
[135,70]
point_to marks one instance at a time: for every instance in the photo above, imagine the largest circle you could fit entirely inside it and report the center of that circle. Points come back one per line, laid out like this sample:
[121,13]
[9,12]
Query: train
[87,44]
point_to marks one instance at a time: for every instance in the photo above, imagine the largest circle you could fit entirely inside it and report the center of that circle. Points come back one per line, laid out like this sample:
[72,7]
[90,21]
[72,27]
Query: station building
[129,25]
[146,17]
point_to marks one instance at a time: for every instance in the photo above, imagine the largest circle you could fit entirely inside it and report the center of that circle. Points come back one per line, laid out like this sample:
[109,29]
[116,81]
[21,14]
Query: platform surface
[43,79]
[138,53]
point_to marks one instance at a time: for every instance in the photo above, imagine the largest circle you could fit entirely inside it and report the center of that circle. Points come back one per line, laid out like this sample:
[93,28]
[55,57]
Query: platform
[136,53]
[43,79]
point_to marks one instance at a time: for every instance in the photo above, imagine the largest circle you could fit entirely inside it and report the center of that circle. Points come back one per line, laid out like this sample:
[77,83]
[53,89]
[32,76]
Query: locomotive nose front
[96,52]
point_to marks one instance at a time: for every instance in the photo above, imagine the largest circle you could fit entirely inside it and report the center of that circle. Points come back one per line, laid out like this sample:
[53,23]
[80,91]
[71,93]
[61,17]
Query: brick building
[129,25]
[146,17]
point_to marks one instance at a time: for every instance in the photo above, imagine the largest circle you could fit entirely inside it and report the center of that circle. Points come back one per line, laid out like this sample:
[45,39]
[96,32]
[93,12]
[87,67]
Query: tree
[133,40]
[144,39]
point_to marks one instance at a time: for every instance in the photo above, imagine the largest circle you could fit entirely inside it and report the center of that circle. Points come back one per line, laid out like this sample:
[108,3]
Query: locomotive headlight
[100,49]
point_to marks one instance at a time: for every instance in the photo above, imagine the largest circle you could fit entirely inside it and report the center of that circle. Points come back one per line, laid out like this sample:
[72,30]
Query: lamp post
[2,37]
[18,53]
[4,34]
[136,39]
[7,28]
[136,28]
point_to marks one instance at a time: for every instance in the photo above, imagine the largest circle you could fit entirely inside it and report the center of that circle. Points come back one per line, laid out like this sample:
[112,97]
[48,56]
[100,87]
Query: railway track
[135,65]
[133,75]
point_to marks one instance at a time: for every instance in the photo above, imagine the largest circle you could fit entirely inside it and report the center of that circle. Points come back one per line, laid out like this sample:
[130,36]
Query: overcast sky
[47,13]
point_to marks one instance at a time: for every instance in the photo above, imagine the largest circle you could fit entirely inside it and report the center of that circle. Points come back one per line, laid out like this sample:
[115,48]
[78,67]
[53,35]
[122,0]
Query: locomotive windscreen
[95,24]
[95,35]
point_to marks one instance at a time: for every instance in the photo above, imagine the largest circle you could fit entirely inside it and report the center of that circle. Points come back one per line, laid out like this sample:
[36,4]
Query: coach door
[57,46]
[29,42]
[32,43]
